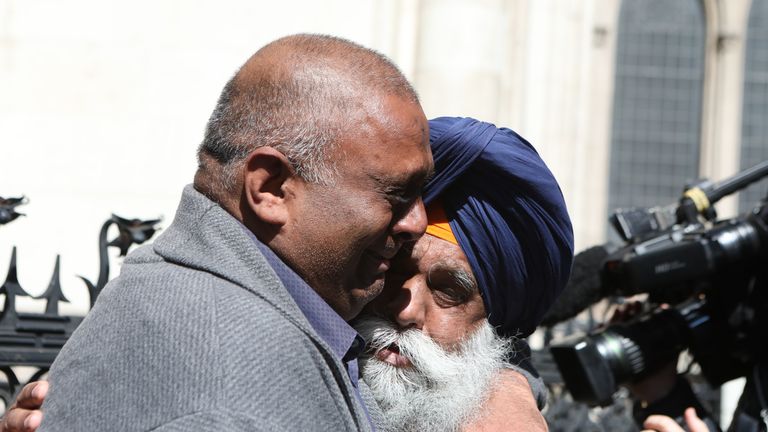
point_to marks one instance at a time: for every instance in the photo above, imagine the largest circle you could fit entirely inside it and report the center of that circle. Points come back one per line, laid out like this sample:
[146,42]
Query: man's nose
[407,308]
[412,224]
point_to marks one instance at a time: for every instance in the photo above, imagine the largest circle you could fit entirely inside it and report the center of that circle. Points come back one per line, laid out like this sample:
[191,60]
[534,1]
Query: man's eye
[400,206]
[447,290]
[448,298]
[449,287]
[401,200]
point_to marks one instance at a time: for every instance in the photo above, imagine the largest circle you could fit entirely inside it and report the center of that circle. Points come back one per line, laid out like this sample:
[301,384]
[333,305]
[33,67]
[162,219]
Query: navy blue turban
[508,215]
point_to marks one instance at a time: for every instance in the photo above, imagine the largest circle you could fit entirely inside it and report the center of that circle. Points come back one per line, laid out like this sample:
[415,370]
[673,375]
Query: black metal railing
[29,339]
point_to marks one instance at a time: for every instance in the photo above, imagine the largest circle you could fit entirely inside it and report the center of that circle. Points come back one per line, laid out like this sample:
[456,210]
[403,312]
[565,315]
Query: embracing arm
[511,406]
[24,414]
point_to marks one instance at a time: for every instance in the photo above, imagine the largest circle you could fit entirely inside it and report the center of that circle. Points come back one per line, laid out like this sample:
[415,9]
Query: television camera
[707,292]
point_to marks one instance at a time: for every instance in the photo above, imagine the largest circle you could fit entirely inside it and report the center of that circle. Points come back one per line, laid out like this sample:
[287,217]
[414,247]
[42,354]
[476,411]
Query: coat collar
[206,237]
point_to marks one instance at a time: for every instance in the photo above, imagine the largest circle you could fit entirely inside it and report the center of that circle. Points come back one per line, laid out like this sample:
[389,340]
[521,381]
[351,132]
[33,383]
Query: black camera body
[708,292]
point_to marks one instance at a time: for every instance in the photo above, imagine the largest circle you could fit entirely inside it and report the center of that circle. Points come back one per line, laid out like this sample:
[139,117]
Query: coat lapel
[206,237]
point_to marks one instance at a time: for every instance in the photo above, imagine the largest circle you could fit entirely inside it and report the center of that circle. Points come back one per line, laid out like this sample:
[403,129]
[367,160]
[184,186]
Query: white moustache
[443,390]
[423,352]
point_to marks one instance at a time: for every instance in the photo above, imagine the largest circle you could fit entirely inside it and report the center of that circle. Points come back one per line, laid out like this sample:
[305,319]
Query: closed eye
[451,287]
[400,193]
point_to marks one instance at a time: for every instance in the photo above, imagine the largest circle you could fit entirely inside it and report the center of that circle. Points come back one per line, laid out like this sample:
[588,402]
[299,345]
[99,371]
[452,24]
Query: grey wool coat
[198,334]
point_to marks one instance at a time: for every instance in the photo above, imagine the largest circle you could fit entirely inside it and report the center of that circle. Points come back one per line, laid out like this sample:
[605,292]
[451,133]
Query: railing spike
[54,294]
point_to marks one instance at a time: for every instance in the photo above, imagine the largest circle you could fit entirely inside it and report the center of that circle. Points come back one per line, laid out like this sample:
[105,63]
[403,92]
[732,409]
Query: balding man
[235,318]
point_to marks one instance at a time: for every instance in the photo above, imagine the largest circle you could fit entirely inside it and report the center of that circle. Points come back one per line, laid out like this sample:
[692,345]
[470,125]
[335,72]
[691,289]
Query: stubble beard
[442,391]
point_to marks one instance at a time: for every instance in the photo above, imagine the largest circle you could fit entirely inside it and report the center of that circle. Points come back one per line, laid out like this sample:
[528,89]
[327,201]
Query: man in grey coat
[235,318]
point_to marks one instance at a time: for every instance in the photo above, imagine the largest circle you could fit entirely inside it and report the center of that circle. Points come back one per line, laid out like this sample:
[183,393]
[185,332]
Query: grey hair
[236,128]
[465,280]
[300,105]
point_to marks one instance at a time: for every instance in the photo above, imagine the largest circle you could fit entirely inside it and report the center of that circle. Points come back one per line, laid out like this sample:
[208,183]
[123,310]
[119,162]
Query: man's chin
[363,294]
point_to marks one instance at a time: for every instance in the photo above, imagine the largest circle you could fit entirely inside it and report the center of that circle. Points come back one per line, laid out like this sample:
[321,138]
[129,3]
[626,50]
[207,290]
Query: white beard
[442,391]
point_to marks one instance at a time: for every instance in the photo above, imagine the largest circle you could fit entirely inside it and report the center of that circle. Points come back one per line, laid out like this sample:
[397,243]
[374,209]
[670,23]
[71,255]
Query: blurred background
[103,103]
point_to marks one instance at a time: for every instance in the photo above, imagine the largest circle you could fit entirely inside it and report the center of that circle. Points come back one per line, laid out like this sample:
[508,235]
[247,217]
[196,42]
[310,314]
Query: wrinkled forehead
[429,252]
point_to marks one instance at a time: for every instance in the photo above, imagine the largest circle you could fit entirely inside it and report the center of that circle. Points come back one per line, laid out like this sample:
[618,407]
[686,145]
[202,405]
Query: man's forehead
[397,118]
[399,169]
[394,126]
[430,250]
[405,178]
[445,266]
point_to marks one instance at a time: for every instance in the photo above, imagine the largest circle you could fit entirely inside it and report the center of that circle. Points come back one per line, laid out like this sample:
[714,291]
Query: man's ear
[267,173]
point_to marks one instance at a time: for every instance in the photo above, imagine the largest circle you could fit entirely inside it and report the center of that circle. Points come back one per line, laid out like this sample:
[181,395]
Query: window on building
[754,127]
[658,101]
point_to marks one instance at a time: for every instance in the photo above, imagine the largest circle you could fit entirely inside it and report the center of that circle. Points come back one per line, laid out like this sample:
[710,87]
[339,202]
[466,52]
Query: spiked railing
[130,231]
[31,339]
[34,339]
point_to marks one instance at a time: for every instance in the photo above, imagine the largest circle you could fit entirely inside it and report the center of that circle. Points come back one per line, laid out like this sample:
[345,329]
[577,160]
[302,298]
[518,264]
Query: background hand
[662,423]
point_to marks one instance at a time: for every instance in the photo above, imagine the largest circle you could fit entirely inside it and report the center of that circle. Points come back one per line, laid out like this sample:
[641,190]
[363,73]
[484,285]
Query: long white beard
[442,390]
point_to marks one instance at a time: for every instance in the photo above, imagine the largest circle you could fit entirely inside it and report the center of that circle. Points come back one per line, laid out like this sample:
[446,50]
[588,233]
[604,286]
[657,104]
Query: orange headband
[438,222]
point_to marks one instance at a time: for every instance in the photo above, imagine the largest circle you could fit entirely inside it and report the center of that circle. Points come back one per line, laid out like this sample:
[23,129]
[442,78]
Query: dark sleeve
[520,361]
[751,413]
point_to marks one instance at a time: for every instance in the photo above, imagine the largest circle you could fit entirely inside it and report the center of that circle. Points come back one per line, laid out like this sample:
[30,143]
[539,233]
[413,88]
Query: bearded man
[497,252]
